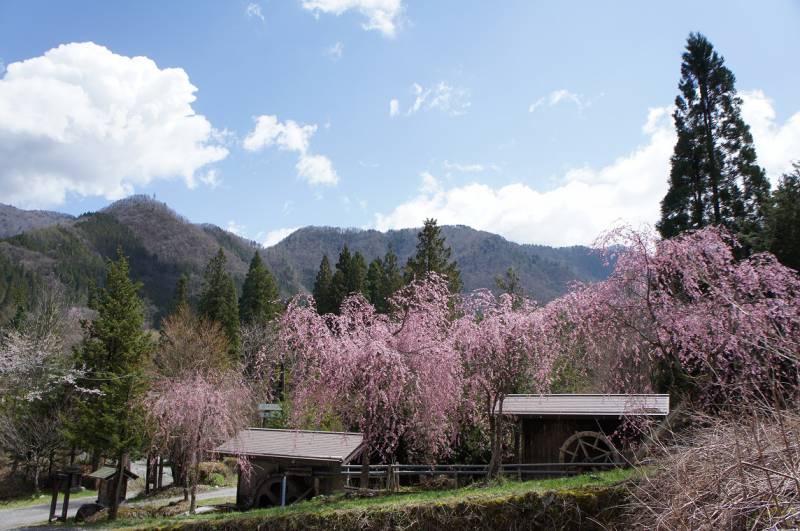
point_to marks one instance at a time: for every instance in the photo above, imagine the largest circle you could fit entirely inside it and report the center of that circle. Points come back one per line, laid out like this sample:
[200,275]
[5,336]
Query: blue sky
[546,122]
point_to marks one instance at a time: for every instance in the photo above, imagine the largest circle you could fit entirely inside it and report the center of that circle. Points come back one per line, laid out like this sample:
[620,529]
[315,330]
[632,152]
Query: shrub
[726,473]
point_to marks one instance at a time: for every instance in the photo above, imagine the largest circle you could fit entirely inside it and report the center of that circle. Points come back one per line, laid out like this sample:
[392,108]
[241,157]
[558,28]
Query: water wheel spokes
[269,493]
[589,447]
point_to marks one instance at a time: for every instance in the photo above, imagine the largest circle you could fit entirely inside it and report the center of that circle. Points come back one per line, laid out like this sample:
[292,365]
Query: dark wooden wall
[542,437]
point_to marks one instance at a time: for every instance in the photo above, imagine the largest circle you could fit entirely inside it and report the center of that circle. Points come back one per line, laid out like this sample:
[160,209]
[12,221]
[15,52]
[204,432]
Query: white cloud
[291,136]
[235,228]
[584,204]
[82,119]
[776,145]
[335,52]
[381,15]
[288,136]
[394,107]
[463,168]
[442,96]
[253,10]
[586,201]
[275,236]
[210,178]
[317,169]
[559,96]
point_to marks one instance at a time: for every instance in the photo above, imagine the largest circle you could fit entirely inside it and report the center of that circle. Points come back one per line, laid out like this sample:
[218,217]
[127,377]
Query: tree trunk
[714,172]
[495,422]
[194,474]
[364,481]
[112,513]
[95,466]
[184,483]
[36,470]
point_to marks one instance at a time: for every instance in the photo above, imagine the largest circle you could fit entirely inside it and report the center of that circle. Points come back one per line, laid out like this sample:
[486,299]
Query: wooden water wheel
[269,492]
[589,447]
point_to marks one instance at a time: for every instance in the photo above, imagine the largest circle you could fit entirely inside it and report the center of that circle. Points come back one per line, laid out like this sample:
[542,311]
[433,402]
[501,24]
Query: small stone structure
[290,465]
[575,428]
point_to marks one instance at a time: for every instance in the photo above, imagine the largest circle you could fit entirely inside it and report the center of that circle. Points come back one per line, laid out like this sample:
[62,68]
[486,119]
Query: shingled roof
[331,446]
[586,405]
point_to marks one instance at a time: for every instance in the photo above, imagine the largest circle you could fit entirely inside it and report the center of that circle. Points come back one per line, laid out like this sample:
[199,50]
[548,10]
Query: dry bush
[739,472]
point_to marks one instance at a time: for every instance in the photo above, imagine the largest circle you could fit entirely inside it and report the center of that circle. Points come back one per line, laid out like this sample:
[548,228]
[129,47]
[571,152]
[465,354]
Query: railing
[518,470]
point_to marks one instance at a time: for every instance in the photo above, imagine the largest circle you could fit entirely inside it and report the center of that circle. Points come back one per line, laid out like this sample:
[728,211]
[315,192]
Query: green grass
[216,501]
[44,497]
[321,505]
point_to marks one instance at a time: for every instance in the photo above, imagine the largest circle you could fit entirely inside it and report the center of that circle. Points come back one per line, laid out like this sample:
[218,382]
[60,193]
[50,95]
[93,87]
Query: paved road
[37,514]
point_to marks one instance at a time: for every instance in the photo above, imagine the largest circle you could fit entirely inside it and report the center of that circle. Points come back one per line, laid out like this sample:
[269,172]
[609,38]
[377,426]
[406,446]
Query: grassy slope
[323,505]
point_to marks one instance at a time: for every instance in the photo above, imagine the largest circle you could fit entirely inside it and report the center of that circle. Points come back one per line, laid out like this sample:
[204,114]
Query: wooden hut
[575,428]
[108,483]
[290,465]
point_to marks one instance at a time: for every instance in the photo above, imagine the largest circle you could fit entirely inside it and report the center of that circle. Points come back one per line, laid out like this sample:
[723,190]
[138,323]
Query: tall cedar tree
[259,303]
[433,256]
[113,353]
[384,278]
[323,287]
[218,300]
[375,282]
[783,222]
[181,297]
[714,179]
[350,277]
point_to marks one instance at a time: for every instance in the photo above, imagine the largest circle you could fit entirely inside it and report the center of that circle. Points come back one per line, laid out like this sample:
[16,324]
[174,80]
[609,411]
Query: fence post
[283,491]
[56,483]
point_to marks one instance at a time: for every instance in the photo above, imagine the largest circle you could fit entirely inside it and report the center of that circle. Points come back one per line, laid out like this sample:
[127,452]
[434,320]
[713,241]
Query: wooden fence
[390,474]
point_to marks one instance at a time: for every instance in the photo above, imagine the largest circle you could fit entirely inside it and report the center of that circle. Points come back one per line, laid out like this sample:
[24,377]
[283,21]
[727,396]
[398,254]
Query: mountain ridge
[162,245]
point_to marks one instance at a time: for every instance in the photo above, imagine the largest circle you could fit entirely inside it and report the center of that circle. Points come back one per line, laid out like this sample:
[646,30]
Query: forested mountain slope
[162,245]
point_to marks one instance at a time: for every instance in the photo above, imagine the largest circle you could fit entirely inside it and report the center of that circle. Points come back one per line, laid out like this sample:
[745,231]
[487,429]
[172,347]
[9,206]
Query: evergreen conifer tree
[714,179]
[259,302]
[357,277]
[433,255]
[218,300]
[392,278]
[375,276]
[323,287]
[112,354]
[341,278]
[783,221]
[181,297]
[384,278]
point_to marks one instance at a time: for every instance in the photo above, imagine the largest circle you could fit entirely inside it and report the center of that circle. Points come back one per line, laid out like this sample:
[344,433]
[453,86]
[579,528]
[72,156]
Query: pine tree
[783,221]
[341,277]
[714,179]
[384,278]
[375,276]
[181,297]
[323,287]
[350,277]
[433,256]
[392,275]
[259,303]
[218,300]
[112,354]
[357,276]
